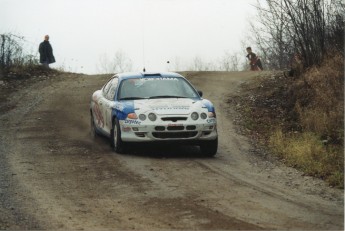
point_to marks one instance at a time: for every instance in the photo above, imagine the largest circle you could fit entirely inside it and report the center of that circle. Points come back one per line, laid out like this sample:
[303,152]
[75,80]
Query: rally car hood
[176,106]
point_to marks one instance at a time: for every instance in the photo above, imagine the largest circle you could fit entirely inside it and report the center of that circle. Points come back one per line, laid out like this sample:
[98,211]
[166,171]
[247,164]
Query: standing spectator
[296,65]
[46,52]
[254,61]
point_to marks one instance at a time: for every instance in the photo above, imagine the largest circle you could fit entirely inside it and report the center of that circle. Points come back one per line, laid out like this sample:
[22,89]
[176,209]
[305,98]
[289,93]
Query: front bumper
[187,131]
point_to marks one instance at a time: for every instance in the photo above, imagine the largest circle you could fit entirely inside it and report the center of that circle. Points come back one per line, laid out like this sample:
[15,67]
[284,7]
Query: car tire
[116,141]
[209,148]
[93,127]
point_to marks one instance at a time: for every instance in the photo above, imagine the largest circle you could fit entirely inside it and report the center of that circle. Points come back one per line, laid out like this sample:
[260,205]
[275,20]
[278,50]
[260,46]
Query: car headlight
[152,117]
[142,117]
[195,116]
[203,115]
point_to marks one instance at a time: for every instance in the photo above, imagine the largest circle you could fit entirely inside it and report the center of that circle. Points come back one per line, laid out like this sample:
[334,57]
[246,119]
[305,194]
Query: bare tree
[104,64]
[11,52]
[119,63]
[270,34]
[309,28]
[230,62]
[198,64]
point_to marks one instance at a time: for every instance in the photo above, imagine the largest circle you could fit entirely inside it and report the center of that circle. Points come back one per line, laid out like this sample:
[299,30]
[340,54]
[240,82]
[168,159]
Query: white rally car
[156,107]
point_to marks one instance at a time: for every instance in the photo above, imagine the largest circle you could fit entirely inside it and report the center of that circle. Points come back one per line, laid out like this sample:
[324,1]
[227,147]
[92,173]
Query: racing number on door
[98,115]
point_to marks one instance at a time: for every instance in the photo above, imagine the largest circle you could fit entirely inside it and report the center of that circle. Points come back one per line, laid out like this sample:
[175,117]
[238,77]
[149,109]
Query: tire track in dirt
[66,180]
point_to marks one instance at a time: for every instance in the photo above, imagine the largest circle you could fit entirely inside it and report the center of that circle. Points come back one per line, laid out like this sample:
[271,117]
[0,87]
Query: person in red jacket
[254,60]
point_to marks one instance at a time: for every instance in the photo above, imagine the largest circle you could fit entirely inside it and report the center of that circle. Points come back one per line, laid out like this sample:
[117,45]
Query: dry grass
[306,152]
[317,148]
[301,119]
[324,112]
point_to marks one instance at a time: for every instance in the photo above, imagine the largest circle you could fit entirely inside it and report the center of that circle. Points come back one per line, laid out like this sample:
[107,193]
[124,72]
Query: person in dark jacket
[254,60]
[46,52]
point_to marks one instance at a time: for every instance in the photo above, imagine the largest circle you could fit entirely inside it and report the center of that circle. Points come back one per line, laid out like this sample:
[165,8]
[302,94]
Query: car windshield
[150,88]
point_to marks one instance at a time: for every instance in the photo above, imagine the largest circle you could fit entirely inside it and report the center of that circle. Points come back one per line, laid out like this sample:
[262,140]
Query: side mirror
[200,93]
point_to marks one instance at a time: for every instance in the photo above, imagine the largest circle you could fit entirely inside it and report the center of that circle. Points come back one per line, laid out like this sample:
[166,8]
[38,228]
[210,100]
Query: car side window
[188,90]
[112,90]
[106,87]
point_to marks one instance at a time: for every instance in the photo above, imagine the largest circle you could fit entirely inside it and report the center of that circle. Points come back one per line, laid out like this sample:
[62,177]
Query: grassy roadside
[300,120]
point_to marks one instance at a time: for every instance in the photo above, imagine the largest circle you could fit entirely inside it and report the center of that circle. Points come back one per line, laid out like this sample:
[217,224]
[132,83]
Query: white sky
[149,32]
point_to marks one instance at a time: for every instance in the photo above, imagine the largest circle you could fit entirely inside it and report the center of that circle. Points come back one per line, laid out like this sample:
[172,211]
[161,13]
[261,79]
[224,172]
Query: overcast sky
[149,32]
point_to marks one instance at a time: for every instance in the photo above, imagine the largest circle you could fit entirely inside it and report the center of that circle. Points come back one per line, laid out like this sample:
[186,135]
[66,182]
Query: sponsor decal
[98,115]
[174,125]
[161,78]
[132,122]
[172,108]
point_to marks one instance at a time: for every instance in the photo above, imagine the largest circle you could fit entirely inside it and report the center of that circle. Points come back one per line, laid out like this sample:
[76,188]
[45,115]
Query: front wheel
[209,148]
[116,141]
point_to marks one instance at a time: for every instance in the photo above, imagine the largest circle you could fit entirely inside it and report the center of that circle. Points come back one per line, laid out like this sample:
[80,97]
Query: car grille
[174,119]
[191,127]
[159,128]
[175,128]
[174,135]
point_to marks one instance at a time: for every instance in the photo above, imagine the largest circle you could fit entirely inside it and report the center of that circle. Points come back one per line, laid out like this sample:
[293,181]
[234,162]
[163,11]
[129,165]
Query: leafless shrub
[11,52]
[322,110]
[13,57]
[310,28]
[119,63]
[230,62]
[318,99]
[198,64]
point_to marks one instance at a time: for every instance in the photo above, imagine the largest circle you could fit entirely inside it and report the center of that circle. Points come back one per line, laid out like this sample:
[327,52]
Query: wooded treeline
[304,29]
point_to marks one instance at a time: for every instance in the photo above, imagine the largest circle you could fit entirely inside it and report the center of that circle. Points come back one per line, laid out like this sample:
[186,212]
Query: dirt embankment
[53,175]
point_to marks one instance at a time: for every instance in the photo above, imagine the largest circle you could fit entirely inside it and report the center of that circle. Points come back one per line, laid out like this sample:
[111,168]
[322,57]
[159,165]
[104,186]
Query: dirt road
[54,176]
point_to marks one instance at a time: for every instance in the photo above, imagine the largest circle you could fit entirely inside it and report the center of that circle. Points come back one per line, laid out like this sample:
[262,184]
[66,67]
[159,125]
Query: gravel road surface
[54,176]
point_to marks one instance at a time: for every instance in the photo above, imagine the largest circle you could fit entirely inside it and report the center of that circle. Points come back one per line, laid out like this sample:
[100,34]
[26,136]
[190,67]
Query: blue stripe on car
[209,105]
[122,109]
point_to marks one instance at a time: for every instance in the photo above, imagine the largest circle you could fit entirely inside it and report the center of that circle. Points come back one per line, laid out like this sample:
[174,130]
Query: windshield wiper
[132,98]
[166,96]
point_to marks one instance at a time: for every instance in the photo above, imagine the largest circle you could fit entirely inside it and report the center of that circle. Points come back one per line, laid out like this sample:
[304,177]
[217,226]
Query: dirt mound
[286,115]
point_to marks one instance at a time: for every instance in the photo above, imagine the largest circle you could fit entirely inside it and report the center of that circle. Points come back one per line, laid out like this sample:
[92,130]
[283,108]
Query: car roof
[135,75]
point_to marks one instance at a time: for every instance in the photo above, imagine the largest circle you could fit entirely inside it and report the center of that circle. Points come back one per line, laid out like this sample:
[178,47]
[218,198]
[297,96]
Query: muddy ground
[54,176]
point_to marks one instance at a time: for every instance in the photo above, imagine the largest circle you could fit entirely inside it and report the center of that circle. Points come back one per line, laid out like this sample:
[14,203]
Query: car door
[101,104]
[109,103]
